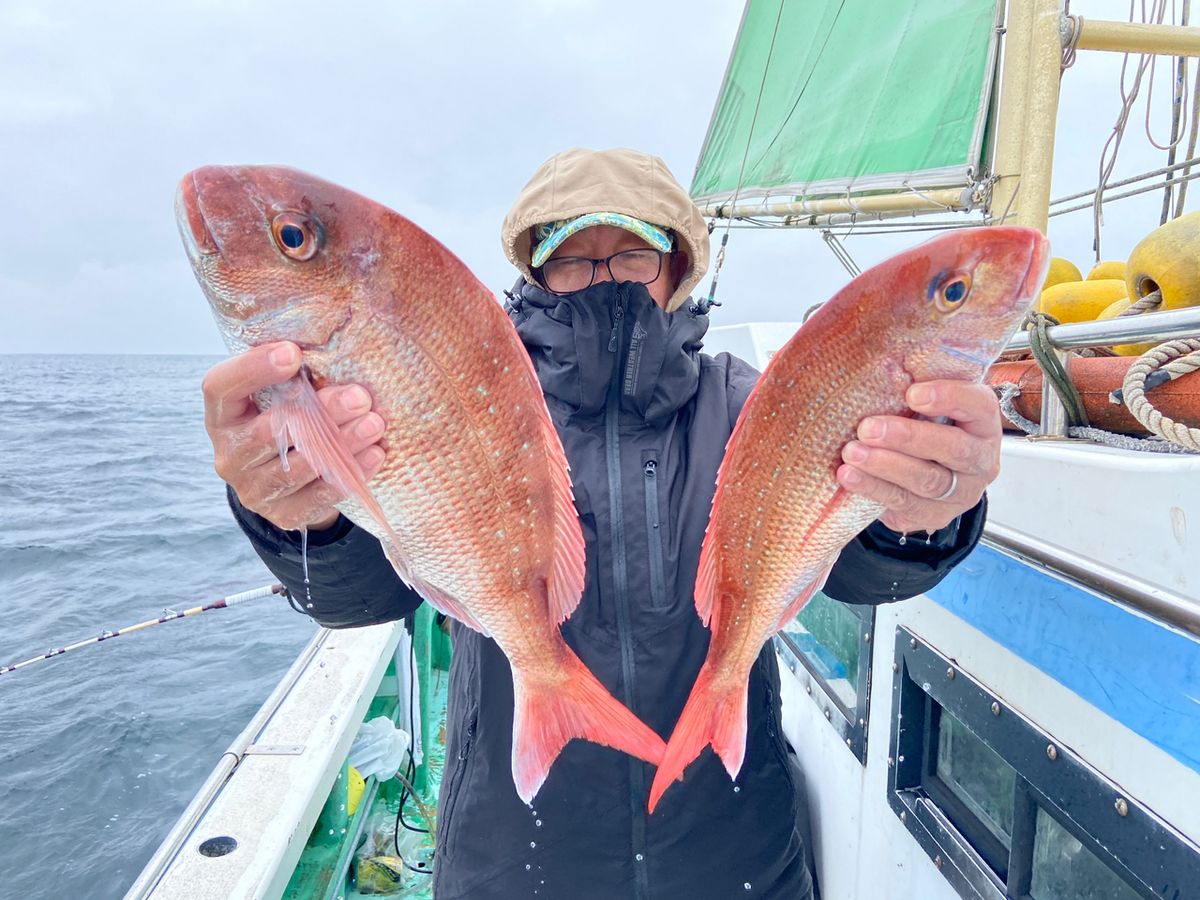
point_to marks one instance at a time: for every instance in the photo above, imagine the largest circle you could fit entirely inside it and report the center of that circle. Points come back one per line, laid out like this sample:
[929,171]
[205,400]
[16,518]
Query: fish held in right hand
[473,502]
[284,489]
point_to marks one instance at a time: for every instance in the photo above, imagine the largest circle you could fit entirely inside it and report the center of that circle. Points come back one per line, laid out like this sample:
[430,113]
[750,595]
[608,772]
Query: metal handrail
[1155,326]
[1156,602]
[153,871]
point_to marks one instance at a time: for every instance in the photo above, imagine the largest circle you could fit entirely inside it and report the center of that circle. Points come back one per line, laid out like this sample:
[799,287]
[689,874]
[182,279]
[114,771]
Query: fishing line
[167,616]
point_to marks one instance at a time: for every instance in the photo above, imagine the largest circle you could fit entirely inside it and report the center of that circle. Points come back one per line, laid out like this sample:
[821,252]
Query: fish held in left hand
[473,501]
[942,310]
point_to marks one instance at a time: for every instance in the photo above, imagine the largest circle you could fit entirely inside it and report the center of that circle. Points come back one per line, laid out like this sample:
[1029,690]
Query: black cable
[412,766]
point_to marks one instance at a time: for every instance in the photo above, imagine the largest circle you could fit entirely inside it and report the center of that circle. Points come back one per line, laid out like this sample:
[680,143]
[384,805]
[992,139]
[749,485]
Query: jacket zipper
[612,413]
[464,755]
[654,535]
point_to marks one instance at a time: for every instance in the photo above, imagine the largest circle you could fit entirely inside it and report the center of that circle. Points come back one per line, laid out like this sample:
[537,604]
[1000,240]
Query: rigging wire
[839,251]
[1108,162]
[709,302]
[1145,189]
[1192,135]
[1177,94]
[1133,179]
[1178,100]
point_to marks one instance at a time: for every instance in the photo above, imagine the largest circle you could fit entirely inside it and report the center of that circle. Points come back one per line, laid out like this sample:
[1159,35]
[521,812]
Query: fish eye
[952,292]
[297,236]
[291,237]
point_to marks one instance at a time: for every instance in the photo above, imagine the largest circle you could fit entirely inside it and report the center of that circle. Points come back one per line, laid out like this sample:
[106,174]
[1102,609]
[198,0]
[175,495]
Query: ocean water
[110,512]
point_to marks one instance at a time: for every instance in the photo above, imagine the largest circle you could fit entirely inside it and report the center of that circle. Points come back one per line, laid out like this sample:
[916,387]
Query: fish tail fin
[715,717]
[296,412]
[548,715]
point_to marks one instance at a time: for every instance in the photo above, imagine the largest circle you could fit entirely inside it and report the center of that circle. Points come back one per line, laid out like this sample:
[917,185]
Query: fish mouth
[1039,263]
[198,241]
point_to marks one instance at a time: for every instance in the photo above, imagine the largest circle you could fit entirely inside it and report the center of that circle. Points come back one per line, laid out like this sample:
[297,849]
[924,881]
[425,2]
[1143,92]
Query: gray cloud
[439,110]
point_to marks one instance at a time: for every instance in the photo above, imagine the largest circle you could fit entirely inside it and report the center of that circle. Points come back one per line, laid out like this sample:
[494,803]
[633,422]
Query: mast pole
[1025,140]
[1010,131]
[1041,111]
[1028,110]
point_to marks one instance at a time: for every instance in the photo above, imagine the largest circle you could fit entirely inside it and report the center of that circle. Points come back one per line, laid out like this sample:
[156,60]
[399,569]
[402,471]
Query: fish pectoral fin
[710,718]
[805,594]
[548,715]
[296,412]
[565,585]
[441,601]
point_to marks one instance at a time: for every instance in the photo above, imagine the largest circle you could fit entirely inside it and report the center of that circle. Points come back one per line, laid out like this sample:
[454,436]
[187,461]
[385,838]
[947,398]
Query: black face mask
[609,337]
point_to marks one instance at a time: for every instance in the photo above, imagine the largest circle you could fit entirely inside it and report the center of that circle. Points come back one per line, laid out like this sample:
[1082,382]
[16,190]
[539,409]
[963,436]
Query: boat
[1030,727]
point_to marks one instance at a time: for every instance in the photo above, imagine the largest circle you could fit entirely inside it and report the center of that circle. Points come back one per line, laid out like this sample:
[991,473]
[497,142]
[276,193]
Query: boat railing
[1157,326]
[170,847]
[1151,327]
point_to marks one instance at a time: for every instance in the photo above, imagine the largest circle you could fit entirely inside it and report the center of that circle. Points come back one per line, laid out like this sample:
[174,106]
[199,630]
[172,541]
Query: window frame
[850,724]
[1111,825]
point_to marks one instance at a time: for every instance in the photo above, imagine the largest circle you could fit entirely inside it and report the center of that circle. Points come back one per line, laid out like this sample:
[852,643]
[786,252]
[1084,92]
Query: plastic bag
[379,749]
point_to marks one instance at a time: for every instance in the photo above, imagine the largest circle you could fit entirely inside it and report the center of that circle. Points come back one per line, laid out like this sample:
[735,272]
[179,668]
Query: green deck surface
[331,860]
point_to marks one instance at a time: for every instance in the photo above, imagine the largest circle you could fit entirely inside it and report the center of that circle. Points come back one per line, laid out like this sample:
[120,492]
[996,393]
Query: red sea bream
[944,309]
[473,502]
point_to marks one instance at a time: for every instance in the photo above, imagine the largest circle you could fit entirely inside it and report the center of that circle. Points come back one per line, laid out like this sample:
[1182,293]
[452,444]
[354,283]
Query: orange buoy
[1095,378]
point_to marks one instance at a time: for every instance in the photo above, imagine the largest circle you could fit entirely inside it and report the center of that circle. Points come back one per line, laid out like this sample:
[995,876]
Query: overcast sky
[440,110]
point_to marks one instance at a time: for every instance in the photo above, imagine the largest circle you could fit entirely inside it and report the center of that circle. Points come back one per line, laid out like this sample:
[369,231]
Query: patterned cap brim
[552,234]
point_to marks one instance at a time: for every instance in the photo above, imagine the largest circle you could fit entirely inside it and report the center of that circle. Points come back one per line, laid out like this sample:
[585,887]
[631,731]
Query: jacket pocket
[654,530]
[452,785]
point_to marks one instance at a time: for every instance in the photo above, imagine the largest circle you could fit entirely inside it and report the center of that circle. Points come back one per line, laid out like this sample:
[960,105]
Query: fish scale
[779,518]
[472,503]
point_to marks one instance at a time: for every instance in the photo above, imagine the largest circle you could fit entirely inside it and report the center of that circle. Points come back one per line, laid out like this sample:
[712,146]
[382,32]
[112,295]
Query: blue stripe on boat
[1144,675]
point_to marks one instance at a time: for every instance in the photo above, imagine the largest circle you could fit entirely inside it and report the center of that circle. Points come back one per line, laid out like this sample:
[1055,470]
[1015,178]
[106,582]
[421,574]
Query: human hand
[925,473]
[245,454]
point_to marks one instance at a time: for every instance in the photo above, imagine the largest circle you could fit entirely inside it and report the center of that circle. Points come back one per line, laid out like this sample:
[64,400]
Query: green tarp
[860,95]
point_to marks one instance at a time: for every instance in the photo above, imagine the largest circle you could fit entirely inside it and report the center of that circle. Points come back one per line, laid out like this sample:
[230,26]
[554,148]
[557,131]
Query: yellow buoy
[1061,270]
[1105,270]
[1168,258]
[1111,312]
[1080,301]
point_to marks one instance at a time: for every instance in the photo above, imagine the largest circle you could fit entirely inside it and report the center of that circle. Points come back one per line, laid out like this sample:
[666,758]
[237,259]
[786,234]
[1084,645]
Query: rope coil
[1008,392]
[1175,358]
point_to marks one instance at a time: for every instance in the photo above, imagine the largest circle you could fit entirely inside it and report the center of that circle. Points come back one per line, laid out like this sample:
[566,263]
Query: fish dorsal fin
[706,580]
[707,604]
[297,413]
[564,586]
[566,577]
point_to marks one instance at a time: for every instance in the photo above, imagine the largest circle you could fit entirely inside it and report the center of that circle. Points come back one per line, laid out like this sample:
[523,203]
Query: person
[608,246]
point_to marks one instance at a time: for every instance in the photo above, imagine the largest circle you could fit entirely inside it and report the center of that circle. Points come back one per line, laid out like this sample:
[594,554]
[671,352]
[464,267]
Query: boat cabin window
[975,787]
[1003,810]
[1064,869]
[827,646]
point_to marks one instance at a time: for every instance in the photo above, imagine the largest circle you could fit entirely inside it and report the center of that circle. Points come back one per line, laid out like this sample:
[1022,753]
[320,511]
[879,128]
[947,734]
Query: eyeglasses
[574,273]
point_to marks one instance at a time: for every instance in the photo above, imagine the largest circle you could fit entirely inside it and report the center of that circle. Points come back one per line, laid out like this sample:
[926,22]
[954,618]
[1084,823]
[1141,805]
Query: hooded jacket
[644,417]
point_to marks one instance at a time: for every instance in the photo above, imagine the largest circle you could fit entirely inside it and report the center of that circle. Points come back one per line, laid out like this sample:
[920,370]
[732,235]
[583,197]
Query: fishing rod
[167,616]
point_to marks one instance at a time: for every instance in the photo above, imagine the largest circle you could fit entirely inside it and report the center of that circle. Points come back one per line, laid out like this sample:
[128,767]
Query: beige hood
[581,181]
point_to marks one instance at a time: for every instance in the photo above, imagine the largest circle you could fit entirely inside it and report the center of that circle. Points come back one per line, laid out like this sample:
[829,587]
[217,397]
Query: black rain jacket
[644,417]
